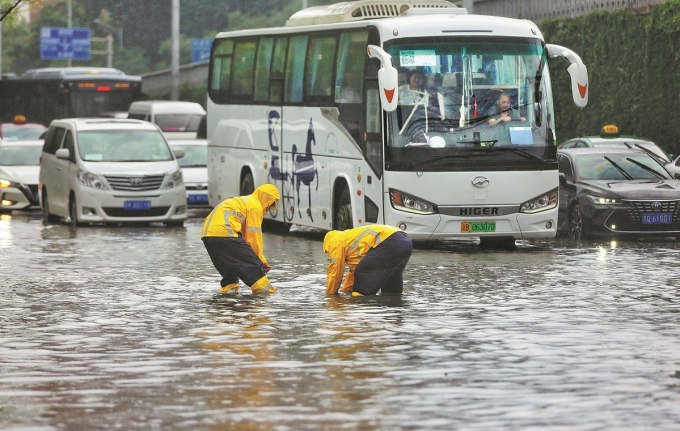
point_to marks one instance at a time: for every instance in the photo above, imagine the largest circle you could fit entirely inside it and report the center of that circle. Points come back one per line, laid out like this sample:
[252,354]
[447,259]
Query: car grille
[121,212]
[630,219]
[135,183]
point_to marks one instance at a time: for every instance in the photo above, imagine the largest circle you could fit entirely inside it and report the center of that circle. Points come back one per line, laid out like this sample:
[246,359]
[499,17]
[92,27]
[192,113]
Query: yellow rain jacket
[242,214]
[350,246]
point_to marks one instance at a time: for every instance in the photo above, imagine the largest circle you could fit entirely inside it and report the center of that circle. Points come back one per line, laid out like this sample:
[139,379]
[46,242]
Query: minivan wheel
[73,212]
[47,217]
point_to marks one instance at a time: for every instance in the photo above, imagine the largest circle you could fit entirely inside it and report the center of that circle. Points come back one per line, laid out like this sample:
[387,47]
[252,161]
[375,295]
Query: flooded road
[124,328]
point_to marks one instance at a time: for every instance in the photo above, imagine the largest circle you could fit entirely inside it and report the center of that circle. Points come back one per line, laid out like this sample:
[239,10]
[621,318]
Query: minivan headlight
[89,179]
[404,202]
[540,203]
[174,180]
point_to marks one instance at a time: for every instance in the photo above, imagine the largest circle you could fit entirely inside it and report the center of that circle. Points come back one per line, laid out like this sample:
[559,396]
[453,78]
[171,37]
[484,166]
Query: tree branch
[4,13]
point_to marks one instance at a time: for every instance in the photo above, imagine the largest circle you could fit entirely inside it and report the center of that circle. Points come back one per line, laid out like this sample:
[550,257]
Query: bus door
[372,170]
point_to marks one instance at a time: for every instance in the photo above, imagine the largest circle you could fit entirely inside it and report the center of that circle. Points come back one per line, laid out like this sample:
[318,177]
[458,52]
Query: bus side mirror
[387,78]
[577,70]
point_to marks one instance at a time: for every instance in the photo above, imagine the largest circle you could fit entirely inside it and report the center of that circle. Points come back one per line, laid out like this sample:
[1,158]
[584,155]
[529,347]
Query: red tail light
[103,88]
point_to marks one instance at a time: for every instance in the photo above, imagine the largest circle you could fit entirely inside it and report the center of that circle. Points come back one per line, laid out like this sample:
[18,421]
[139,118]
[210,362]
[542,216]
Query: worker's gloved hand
[267,268]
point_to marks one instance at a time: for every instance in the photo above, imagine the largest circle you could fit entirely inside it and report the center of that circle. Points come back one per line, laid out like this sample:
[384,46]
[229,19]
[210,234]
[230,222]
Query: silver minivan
[111,171]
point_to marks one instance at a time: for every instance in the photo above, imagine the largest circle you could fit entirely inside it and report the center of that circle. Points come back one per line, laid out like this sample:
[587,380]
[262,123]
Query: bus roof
[412,22]
[76,73]
[365,9]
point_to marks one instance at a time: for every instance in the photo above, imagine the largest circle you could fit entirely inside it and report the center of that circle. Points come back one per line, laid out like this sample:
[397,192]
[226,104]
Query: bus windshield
[471,103]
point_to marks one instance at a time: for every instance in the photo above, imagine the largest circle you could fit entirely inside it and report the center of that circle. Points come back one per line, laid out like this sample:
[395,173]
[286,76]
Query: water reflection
[124,328]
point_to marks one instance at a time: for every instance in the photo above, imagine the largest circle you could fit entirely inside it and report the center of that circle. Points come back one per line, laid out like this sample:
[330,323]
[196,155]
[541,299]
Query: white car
[19,170]
[194,166]
[177,120]
[110,170]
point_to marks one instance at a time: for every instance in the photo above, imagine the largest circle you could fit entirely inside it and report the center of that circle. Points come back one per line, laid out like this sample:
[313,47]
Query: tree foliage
[632,61]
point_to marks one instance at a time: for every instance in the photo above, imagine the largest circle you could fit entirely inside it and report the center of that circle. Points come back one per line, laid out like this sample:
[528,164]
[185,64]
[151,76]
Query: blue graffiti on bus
[304,170]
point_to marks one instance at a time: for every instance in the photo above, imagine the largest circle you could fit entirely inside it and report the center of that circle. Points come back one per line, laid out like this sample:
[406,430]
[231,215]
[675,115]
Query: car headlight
[403,202]
[174,180]
[598,200]
[89,179]
[540,203]
[4,183]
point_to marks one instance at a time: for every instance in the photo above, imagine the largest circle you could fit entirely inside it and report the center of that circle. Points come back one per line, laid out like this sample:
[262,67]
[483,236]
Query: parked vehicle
[194,166]
[19,129]
[19,170]
[609,137]
[177,120]
[616,193]
[108,170]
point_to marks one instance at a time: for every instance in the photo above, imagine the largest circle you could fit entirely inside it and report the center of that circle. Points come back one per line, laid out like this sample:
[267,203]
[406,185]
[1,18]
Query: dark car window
[568,145]
[564,166]
[53,139]
[581,144]
[619,167]
[68,144]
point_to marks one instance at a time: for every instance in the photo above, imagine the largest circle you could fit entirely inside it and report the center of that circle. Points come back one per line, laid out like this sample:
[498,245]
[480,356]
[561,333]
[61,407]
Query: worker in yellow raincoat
[232,234]
[376,256]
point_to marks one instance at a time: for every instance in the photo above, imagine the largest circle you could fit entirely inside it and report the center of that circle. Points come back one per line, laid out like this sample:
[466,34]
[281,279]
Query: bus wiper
[520,152]
[646,168]
[619,168]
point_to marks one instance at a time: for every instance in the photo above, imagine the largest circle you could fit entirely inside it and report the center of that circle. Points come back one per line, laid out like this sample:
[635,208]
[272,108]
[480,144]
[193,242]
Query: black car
[616,193]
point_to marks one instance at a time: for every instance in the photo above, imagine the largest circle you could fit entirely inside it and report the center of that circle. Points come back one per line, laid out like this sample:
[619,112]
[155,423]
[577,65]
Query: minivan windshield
[122,146]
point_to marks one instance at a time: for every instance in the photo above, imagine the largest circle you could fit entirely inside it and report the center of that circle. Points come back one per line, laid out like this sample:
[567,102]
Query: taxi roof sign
[609,131]
[19,119]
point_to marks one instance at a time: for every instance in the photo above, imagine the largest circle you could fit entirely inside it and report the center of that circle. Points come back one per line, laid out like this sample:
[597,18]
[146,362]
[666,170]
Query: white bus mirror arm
[388,78]
[577,71]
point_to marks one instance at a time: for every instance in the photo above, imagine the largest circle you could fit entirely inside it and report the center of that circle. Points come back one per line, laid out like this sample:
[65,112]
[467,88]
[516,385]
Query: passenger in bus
[376,256]
[232,235]
[505,111]
[416,84]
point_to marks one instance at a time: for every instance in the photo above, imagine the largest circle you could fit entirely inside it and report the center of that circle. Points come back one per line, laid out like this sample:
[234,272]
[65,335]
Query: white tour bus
[379,112]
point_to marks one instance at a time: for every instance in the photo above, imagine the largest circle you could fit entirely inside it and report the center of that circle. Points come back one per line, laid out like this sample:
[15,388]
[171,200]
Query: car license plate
[657,218]
[475,226]
[198,198]
[137,205]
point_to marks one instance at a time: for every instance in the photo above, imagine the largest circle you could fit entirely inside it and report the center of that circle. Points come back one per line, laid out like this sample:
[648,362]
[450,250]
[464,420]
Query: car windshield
[194,156]
[15,133]
[619,167]
[649,147]
[178,122]
[122,146]
[20,155]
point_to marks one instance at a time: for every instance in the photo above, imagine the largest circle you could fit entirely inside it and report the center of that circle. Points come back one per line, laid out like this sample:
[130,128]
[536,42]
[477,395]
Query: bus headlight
[404,202]
[540,203]
[91,180]
[174,180]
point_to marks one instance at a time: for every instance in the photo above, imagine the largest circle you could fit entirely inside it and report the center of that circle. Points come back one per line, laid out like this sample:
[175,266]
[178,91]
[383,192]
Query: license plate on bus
[477,226]
[137,205]
[657,218]
[195,199]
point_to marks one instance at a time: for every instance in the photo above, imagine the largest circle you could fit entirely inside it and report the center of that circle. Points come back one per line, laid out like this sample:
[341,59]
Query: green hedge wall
[633,62]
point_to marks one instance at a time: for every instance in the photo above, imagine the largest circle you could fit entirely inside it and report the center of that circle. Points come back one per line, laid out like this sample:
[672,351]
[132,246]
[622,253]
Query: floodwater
[124,328]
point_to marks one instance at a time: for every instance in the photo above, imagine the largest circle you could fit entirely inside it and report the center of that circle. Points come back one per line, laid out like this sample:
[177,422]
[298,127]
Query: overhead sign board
[201,49]
[59,43]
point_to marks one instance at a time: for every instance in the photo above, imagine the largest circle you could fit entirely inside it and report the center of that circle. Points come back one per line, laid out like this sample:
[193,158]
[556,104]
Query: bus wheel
[343,217]
[247,185]
[47,217]
[497,242]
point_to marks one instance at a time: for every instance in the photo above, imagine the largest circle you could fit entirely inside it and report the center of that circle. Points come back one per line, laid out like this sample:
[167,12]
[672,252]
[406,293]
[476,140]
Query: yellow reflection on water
[5,231]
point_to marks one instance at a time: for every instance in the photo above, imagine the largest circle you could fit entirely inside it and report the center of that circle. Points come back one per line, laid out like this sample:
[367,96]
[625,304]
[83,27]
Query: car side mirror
[179,152]
[63,153]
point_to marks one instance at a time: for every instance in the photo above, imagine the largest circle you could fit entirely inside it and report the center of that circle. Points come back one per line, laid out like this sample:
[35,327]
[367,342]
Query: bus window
[221,69]
[349,82]
[262,68]
[295,67]
[244,60]
[319,69]
[278,67]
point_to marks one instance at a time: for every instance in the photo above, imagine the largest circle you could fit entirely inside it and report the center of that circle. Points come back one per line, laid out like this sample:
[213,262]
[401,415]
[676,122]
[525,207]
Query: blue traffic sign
[201,49]
[59,43]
